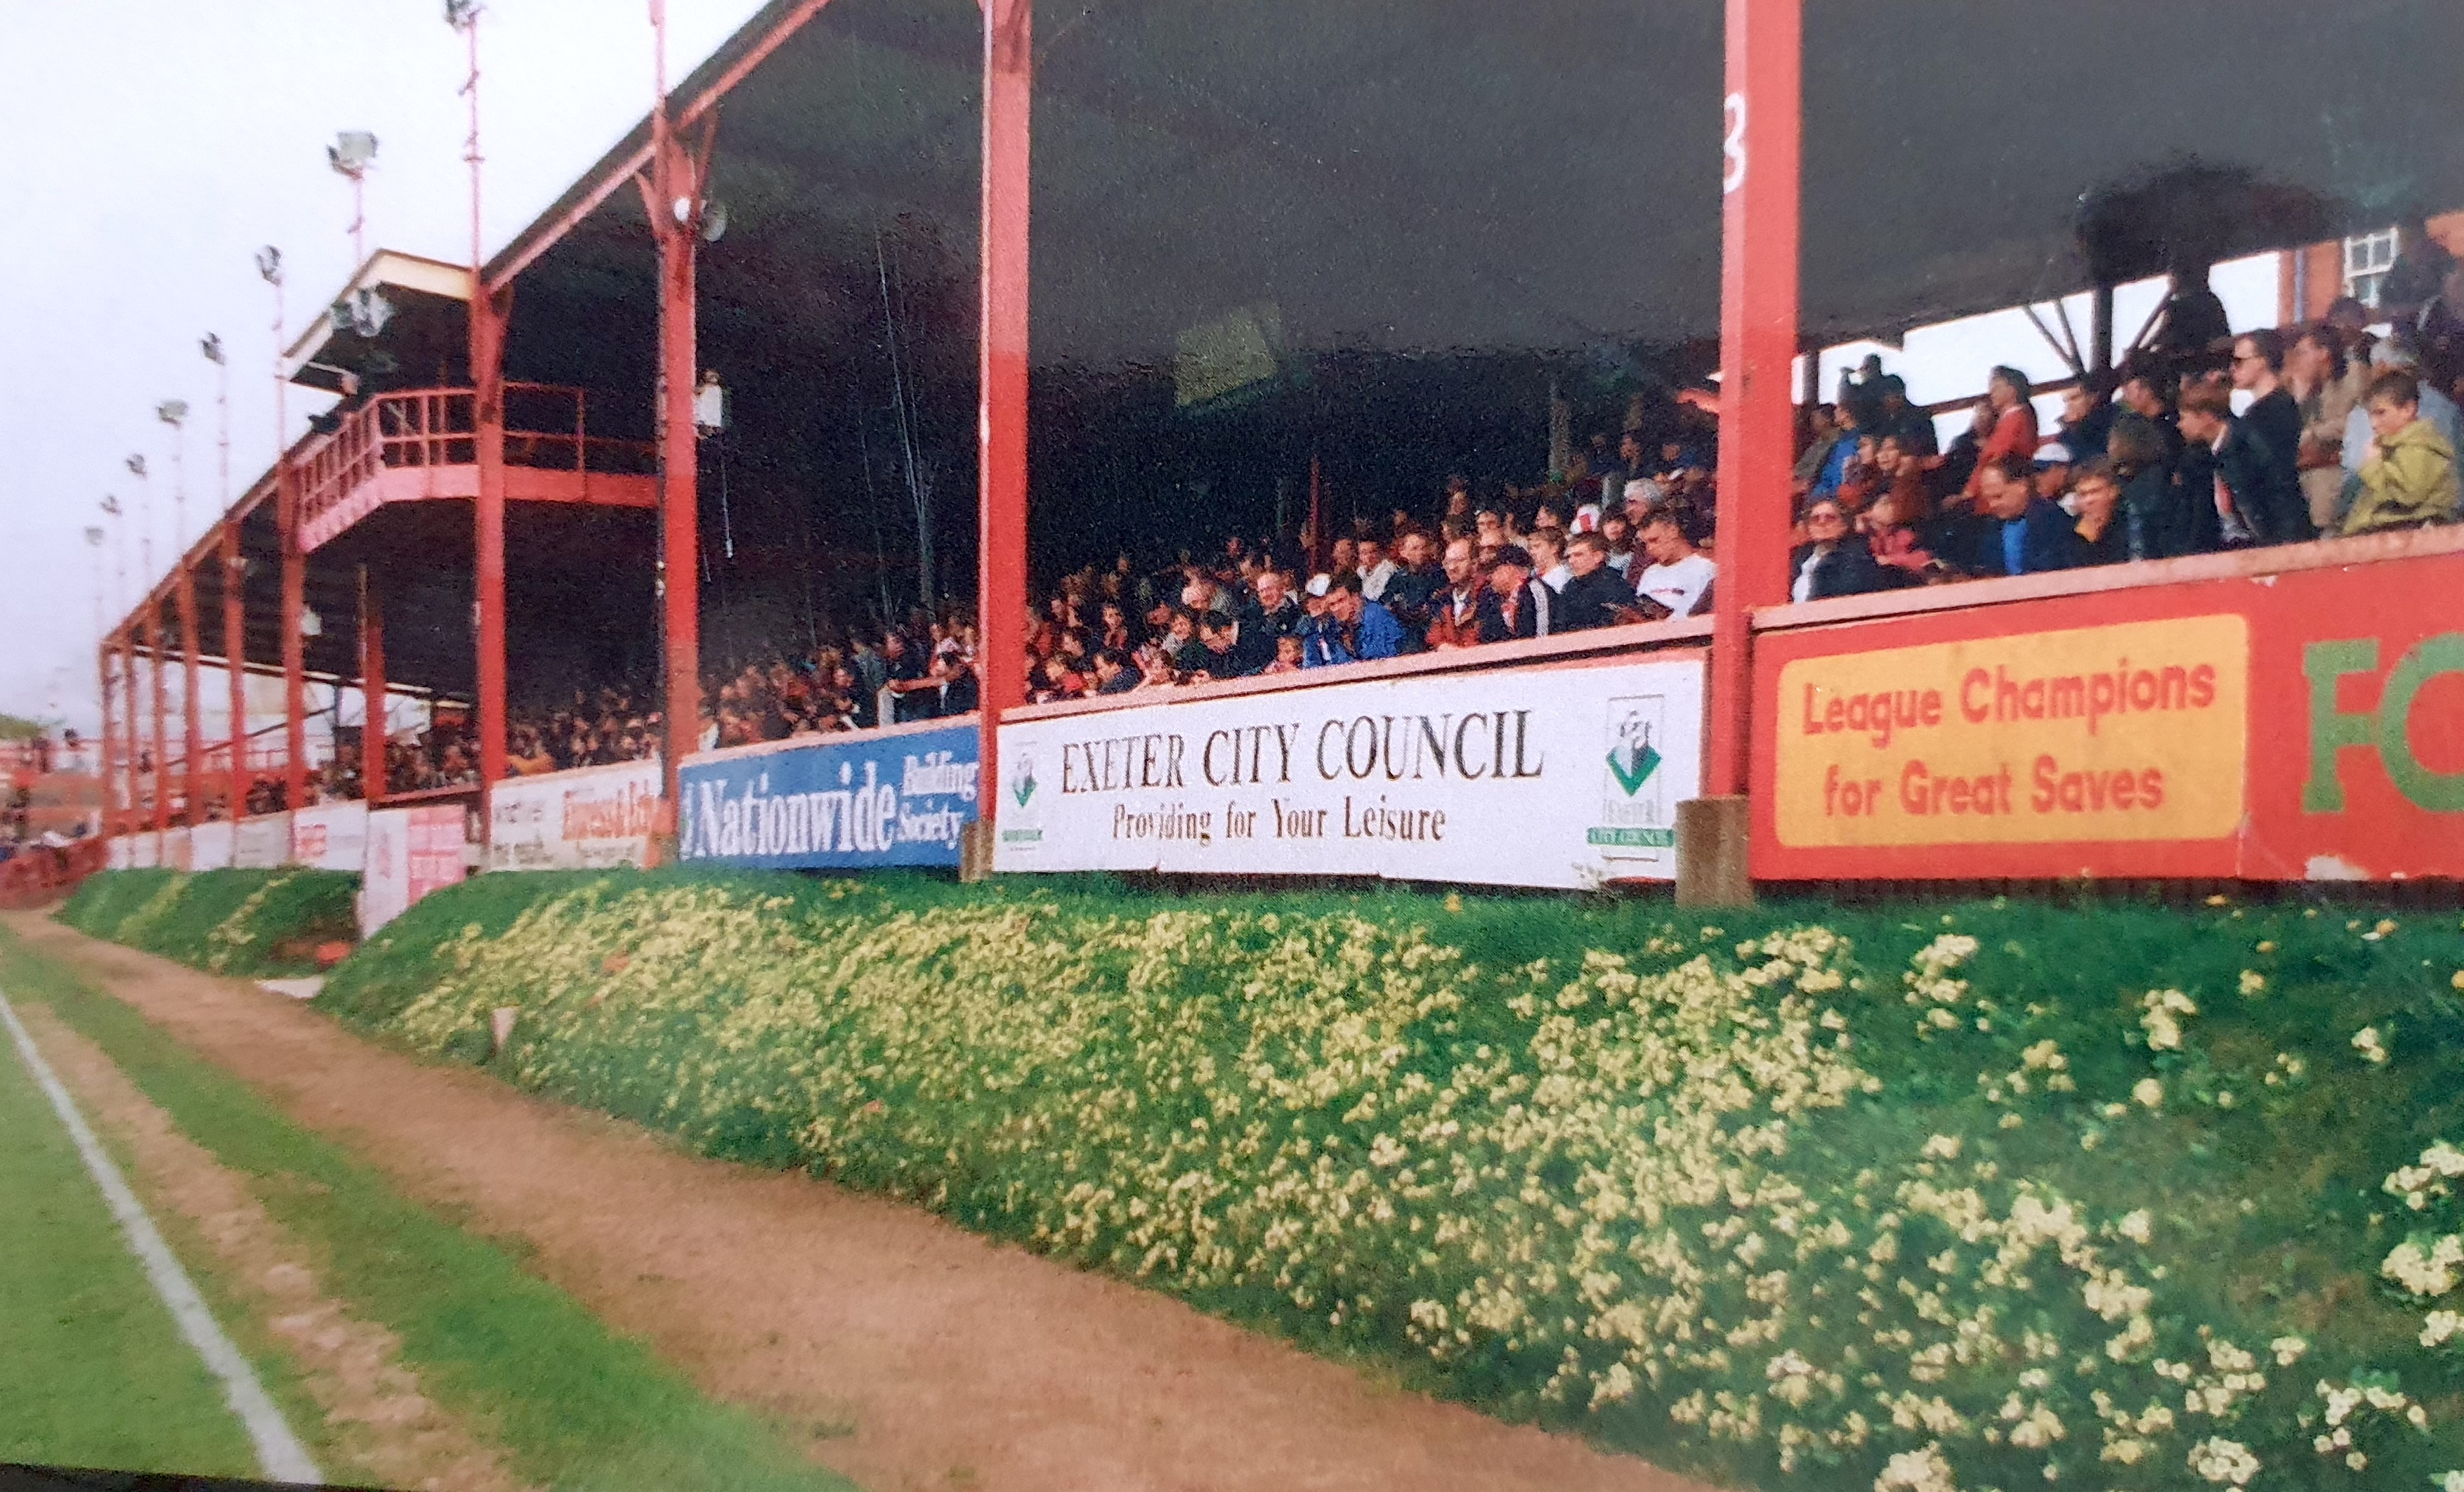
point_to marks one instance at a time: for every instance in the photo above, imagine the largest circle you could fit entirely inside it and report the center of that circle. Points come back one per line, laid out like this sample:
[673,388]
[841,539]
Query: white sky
[154,146]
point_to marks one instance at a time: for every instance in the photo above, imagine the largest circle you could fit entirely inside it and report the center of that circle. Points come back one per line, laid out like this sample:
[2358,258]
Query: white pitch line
[277,1451]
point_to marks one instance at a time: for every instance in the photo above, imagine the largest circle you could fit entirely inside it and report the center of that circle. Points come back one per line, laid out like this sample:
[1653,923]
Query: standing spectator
[1454,612]
[2102,538]
[1594,595]
[2154,524]
[2087,416]
[1548,547]
[910,688]
[2394,356]
[2026,535]
[1228,650]
[1679,574]
[1516,606]
[2014,432]
[1415,583]
[1272,613]
[1897,548]
[2327,387]
[2051,471]
[1834,470]
[1377,569]
[1354,627]
[2410,477]
[1114,673]
[2273,414]
[1834,561]
[1901,421]
[2257,499]
[1822,429]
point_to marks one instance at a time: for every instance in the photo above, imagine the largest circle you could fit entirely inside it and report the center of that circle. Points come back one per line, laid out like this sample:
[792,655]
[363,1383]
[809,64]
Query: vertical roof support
[1000,423]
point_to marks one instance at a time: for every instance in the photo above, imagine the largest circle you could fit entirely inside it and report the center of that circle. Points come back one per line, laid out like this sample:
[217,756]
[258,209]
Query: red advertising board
[2302,724]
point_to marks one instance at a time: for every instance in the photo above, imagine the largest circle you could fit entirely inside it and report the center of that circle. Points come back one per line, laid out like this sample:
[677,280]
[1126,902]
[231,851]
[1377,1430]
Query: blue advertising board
[902,798]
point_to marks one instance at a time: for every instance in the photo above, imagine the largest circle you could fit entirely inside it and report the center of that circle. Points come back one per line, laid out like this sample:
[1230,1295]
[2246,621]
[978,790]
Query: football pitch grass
[106,1380]
[93,1371]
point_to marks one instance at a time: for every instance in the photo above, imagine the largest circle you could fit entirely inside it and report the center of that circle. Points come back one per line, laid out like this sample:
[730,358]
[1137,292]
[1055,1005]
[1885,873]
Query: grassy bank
[1983,1196]
[236,922]
[573,1405]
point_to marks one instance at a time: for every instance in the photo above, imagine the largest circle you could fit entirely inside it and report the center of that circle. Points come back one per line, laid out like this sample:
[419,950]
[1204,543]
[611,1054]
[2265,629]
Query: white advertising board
[1554,776]
[589,819]
[262,843]
[175,849]
[144,851]
[330,837]
[122,854]
[210,847]
[411,852]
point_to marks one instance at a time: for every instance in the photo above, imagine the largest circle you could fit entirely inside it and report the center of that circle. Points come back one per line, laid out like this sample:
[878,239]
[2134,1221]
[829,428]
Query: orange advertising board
[2130,732]
[2302,719]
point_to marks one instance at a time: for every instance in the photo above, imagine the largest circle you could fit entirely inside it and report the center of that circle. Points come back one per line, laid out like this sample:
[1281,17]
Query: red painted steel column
[162,725]
[1758,289]
[103,747]
[235,665]
[193,726]
[1001,425]
[372,690]
[128,747]
[294,647]
[675,178]
[488,407]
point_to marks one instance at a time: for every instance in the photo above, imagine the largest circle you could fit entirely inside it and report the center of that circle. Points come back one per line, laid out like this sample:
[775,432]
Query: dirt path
[924,1357]
[389,1430]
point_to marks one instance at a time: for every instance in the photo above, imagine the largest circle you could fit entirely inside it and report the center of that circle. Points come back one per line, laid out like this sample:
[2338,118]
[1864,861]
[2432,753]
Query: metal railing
[546,428]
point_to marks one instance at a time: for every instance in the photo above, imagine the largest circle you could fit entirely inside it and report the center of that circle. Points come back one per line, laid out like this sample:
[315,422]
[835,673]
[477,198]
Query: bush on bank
[1915,1199]
[236,922]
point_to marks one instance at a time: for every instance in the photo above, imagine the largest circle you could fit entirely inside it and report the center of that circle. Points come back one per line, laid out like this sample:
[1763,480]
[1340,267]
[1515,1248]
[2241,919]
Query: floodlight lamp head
[461,14]
[352,152]
[714,221]
[269,264]
[365,311]
[171,411]
[93,534]
[211,346]
[136,464]
[111,505]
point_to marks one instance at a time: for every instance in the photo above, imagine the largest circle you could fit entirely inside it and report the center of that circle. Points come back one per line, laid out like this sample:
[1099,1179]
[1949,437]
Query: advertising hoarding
[589,818]
[2306,724]
[330,837]
[1565,776]
[262,843]
[411,852]
[856,801]
[210,847]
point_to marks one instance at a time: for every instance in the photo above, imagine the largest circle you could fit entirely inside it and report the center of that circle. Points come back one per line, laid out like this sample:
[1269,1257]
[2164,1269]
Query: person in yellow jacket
[2410,478]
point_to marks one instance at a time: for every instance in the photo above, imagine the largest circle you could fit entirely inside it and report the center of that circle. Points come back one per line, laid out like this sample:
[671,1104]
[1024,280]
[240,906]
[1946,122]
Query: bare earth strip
[948,1360]
[387,1428]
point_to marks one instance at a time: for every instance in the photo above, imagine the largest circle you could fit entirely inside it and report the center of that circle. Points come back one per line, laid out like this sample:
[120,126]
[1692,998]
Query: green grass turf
[93,1372]
[574,1406]
[238,922]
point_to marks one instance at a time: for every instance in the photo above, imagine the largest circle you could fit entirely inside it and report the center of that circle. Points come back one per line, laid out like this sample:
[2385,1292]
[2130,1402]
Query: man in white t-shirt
[1679,573]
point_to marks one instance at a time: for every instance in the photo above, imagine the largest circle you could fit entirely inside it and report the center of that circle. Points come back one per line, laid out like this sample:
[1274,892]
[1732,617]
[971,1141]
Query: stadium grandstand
[1298,346]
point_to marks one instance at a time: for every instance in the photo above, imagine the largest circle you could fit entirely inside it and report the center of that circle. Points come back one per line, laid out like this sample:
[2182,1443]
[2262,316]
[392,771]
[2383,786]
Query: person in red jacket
[2007,393]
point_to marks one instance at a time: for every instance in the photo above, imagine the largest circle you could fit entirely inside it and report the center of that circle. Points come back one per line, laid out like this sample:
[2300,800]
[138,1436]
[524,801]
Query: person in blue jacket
[1354,627]
[2024,535]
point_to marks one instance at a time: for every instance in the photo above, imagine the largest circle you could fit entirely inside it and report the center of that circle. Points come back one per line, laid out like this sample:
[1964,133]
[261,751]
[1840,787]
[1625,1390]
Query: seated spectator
[2409,478]
[2359,431]
[1822,436]
[2025,535]
[2155,522]
[2257,499]
[1228,651]
[1515,605]
[2051,471]
[1271,611]
[1834,470]
[2102,538]
[1415,583]
[1834,561]
[1288,655]
[1594,595]
[1454,612]
[1679,574]
[1377,569]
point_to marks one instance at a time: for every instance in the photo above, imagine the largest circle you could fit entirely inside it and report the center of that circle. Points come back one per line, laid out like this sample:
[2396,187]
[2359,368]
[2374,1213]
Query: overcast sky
[153,145]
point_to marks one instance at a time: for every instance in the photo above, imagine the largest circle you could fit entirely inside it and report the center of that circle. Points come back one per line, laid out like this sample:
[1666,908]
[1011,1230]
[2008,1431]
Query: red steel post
[162,725]
[1758,303]
[104,749]
[235,665]
[133,818]
[488,401]
[1001,604]
[294,645]
[372,690]
[672,195]
[192,763]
